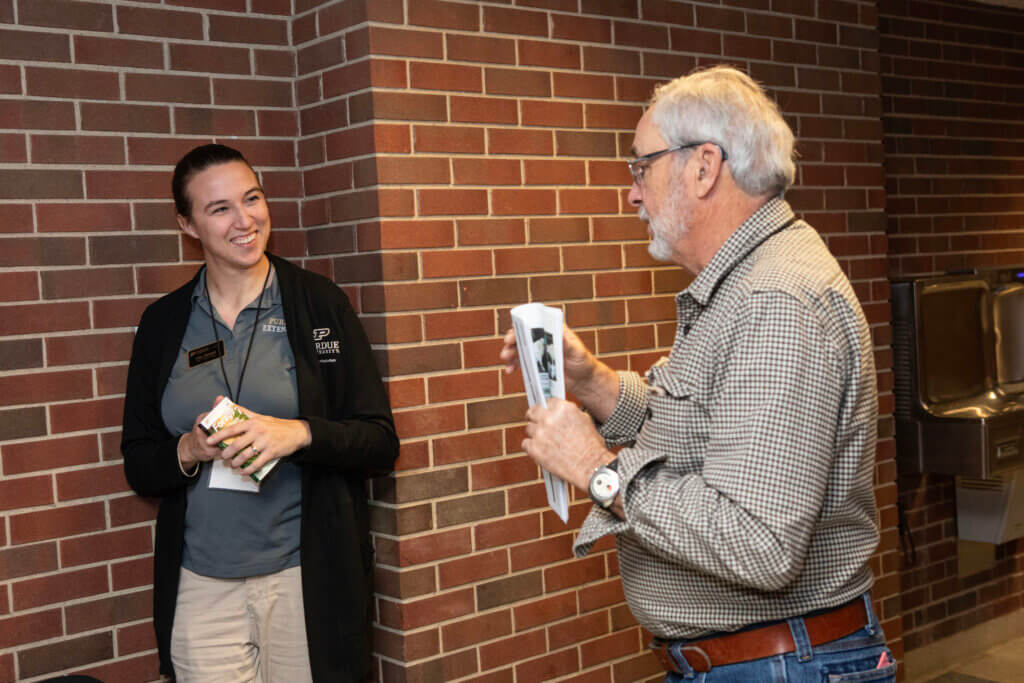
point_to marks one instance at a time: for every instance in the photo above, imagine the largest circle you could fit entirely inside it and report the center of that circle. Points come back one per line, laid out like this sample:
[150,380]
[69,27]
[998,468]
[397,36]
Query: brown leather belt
[765,641]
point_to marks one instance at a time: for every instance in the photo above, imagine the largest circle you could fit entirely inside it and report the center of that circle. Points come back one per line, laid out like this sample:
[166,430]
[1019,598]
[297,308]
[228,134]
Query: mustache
[643,215]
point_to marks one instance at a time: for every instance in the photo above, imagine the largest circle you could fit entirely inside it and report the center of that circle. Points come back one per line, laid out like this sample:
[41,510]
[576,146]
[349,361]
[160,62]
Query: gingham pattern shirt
[747,479]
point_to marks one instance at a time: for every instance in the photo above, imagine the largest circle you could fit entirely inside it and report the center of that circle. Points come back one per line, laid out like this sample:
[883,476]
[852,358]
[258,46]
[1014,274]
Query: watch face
[604,486]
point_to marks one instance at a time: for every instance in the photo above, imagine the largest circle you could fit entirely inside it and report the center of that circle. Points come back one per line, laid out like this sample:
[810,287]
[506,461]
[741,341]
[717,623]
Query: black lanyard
[255,323]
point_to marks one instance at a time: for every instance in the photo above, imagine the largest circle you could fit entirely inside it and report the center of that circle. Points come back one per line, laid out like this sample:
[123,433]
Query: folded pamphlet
[223,476]
[538,331]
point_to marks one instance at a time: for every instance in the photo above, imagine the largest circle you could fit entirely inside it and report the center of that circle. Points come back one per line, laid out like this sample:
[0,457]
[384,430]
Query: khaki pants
[240,630]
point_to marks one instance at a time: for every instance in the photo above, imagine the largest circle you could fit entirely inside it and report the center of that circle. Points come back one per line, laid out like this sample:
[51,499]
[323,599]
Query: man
[742,502]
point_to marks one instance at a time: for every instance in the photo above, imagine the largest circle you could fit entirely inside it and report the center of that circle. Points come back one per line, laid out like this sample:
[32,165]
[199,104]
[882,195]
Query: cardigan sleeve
[358,433]
[150,451]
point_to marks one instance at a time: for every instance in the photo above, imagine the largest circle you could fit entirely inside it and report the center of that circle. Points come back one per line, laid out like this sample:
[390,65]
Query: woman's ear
[186,226]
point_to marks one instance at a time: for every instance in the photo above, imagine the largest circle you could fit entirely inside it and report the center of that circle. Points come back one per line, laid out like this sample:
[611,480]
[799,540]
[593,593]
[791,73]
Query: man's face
[665,228]
[658,194]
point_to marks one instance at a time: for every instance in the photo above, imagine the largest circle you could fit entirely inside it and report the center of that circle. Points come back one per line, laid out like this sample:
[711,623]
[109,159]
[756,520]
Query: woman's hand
[193,448]
[265,437]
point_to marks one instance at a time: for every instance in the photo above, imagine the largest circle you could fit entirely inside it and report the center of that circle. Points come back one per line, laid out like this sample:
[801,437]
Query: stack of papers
[538,331]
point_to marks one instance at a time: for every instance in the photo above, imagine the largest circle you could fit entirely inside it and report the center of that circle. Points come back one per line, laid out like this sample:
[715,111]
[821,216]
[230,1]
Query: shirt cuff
[630,411]
[601,522]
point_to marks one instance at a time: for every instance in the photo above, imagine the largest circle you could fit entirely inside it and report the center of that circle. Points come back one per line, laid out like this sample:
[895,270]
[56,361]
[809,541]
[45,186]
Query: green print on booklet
[224,414]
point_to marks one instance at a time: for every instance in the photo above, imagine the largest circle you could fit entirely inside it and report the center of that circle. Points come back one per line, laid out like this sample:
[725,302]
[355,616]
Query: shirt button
[686,329]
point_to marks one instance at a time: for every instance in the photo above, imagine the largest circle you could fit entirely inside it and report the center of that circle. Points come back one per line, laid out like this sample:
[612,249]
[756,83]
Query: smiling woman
[230,218]
[272,580]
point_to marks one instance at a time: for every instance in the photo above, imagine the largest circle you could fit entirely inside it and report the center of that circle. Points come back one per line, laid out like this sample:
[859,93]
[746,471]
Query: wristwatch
[604,484]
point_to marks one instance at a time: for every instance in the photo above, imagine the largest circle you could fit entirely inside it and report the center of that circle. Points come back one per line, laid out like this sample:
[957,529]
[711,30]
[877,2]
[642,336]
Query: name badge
[202,354]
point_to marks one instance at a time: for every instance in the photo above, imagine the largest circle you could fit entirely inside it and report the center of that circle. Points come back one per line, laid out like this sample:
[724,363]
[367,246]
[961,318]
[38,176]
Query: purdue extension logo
[324,346]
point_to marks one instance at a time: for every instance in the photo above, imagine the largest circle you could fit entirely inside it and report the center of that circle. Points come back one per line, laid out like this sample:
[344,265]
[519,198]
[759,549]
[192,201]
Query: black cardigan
[353,438]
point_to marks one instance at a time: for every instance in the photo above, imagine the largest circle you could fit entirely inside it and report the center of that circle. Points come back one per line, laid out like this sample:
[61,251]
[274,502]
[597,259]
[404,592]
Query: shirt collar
[769,217]
[271,295]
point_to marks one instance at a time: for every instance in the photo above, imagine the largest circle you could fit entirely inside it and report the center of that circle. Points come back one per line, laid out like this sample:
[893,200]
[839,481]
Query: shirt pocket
[677,421]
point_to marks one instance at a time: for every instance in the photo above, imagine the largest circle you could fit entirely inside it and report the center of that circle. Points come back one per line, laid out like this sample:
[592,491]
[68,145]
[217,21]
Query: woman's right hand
[193,449]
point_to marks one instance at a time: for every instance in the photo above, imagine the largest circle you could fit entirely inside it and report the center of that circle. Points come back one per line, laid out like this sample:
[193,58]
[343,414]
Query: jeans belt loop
[696,649]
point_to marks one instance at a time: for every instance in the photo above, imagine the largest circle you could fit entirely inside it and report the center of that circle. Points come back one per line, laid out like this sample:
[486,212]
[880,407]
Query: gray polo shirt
[235,534]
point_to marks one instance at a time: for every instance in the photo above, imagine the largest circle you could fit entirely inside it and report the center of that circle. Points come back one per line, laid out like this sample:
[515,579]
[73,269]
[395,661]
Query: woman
[269,582]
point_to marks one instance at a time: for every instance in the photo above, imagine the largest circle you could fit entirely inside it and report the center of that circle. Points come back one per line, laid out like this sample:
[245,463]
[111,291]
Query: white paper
[222,476]
[538,331]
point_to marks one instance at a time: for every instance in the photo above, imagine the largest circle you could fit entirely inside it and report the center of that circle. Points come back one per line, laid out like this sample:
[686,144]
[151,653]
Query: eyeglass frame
[639,165]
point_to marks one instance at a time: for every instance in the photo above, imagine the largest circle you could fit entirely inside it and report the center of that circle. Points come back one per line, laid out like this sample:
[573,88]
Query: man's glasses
[638,166]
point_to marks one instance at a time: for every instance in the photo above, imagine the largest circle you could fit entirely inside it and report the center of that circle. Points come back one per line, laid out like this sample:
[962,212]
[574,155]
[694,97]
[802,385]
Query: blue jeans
[852,658]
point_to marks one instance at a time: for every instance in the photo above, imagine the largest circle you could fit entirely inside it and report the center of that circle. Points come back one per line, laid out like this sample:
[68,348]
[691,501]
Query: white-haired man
[742,501]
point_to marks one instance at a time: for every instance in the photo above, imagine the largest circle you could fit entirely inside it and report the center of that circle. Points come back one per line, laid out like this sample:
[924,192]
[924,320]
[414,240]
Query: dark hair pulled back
[199,159]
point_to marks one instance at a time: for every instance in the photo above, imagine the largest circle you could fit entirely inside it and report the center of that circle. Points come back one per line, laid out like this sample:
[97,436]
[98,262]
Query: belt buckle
[698,650]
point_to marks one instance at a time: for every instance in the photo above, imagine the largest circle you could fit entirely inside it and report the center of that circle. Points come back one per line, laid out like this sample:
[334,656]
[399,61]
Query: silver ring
[255,451]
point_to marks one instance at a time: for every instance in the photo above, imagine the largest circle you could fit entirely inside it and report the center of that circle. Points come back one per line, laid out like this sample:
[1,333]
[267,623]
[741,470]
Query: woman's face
[229,215]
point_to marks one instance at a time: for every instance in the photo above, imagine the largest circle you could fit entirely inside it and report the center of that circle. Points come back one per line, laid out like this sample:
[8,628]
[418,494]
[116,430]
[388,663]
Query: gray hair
[725,106]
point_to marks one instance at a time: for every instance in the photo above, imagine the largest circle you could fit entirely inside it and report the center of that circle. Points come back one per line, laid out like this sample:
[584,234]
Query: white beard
[665,232]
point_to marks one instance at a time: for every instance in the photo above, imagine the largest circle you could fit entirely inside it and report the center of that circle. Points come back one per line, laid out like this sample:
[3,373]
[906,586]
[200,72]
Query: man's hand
[266,437]
[562,439]
[595,384]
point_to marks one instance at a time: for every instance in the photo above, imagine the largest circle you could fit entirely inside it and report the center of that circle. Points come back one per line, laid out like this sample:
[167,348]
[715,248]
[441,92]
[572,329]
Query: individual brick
[450,15]
[28,628]
[453,77]
[82,415]
[164,23]
[33,456]
[578,630]
[413,614]
[66,653]
[34,46]
[517,82]
[511,589]
[106,250]
[512,649]
[472,568]
[476,629]
[210,58]
[252,30]
[110,611]
[432,420]
[87,483]
[463,48]
[484,110]
[585,29]
[72,83]
[25,492]
[118,52]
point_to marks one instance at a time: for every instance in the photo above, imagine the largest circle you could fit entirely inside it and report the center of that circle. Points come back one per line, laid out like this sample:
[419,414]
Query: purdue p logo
[326,350]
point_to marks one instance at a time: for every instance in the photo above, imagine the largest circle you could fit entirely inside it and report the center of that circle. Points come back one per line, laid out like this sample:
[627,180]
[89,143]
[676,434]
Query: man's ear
[186,226]
[709,166]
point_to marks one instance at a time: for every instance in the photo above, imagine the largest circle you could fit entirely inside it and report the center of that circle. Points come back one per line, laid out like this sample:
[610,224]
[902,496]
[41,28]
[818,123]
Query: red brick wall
[442,161]
[97,101]
[952,112]
[498,135]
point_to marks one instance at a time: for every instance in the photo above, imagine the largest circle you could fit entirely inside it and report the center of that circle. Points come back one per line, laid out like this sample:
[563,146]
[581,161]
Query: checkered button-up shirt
[747,479]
